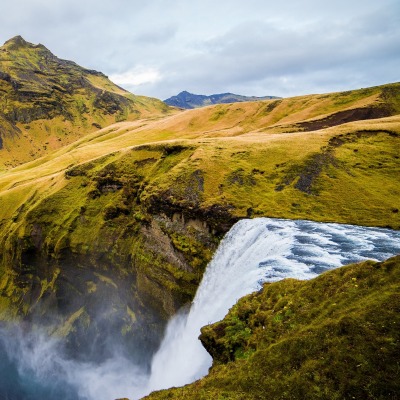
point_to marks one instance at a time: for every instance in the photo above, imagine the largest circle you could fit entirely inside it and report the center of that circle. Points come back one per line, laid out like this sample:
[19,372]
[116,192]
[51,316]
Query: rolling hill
[154,196]
[47,102]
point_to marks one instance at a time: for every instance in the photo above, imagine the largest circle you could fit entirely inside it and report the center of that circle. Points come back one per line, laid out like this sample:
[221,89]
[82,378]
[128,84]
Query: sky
[159,48]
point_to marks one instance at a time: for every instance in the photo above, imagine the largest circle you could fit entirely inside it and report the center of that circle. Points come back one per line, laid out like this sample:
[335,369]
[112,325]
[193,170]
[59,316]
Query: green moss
[68,325]
[91,287]
[106,280]
[130,321]
[150,200]
[112,228]
[179,179]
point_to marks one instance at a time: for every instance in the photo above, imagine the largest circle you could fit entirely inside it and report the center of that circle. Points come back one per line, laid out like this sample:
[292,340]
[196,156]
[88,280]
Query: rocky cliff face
[107,263]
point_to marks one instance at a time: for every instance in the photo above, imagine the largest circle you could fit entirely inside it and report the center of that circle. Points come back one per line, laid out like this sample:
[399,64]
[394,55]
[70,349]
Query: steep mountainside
[132,212]
[189,100]
[334,337]
[46,102]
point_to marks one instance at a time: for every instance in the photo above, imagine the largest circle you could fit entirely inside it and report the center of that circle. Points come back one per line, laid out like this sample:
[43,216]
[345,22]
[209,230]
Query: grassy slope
[353,166]
[251,161]
[333,337]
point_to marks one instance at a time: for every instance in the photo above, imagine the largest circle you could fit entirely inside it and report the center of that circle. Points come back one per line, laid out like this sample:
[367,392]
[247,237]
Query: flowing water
[34,367]
[256,251]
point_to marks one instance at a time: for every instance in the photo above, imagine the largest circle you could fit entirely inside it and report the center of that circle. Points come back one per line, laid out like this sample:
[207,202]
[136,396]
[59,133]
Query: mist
[35,366]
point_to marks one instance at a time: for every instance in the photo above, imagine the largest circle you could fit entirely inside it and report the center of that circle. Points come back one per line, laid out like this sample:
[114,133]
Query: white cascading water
[256,251]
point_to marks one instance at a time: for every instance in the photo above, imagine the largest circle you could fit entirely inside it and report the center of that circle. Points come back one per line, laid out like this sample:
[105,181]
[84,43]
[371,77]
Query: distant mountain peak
[16,39]
[189,100]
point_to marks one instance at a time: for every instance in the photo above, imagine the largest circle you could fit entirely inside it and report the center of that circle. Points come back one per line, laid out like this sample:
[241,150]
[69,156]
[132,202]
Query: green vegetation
[333,337]
[96,223]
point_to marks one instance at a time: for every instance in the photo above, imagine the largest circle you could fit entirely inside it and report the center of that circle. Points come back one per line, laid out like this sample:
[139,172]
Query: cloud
[284,60]
[137,76]
[158,36]
[229,45]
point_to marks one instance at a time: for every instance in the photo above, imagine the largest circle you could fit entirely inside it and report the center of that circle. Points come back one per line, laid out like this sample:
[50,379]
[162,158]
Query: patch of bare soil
[342,117]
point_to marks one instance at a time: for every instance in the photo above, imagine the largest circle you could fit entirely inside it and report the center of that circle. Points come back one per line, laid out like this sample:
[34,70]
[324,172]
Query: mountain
[47,102]
[334,337]
[189,100]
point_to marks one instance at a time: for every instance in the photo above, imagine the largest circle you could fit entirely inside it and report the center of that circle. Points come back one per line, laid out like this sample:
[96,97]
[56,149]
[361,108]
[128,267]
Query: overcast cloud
[251,47]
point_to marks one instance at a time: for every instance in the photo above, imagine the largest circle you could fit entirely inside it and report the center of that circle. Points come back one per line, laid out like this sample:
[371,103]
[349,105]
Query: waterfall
[256,251]
[35,366]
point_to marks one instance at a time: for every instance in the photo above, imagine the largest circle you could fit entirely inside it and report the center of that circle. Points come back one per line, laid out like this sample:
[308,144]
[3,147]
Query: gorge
[254,251]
